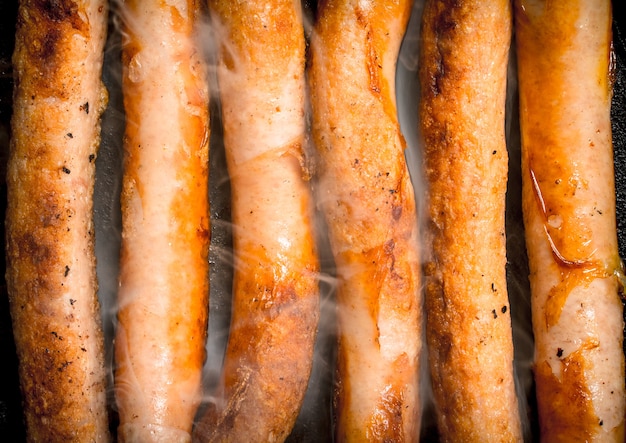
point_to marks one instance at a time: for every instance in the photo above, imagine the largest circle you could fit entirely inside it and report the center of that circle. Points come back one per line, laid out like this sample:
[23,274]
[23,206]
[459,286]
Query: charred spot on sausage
[47,47]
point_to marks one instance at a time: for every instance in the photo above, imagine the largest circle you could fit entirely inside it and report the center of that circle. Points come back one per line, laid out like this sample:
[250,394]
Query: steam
[314,422]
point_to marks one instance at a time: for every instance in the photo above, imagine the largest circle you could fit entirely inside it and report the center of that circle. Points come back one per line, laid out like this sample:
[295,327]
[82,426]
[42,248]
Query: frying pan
[314,422]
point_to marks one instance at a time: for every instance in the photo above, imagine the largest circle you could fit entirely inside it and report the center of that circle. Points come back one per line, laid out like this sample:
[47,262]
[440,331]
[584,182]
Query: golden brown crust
[365,192]
[275,296]
[569,215]
[164,288]
[269,355]
[51,279]
[463,68]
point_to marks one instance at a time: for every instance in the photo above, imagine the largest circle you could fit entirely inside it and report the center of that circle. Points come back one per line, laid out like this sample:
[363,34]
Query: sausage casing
[51,273]
[463,70]
[569,215]
[163,283]
[365,192]
[275,307]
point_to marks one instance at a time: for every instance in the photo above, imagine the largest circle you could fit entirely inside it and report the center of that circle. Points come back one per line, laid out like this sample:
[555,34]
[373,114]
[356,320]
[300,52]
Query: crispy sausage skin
[163,285]
[463,70]
[276,301]
[569,215]
[51,274]
[366,195]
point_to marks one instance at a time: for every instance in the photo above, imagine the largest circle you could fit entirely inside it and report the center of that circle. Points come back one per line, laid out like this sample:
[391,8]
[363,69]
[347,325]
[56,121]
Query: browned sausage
[275,303]
[163,288]
[368,201]
[463,69]
[51,274]
[569,214]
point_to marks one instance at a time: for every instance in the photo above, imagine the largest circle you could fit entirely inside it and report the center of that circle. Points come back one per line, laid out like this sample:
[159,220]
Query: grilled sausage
[366,195]
[51,274]
[463,70]
[163,285]
[275,302]
[569,215]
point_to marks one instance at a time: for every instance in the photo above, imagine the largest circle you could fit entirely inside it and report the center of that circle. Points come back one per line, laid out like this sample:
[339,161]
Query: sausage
[51,273]
[163,283]
[463,63]
[576,276]
[365,193]
[273,327]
